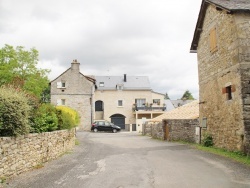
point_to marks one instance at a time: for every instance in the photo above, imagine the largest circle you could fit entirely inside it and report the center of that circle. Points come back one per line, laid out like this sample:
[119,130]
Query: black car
[105,126]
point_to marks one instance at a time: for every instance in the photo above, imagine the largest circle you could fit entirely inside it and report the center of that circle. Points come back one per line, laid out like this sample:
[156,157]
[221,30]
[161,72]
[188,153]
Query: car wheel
[114,130]
[95,130]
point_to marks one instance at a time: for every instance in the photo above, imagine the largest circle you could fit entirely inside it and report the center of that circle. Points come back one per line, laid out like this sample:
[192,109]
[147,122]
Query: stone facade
[227,117]
[24,153]
[76,91]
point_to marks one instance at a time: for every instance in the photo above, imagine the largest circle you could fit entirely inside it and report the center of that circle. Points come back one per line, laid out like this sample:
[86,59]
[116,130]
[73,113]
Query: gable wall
[216,71]
[78,94]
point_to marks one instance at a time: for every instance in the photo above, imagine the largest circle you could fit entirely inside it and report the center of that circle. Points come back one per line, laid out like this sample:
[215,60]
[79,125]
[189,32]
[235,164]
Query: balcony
[149,108]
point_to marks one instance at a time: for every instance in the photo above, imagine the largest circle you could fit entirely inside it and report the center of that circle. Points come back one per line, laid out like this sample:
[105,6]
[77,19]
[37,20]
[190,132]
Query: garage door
[118,120]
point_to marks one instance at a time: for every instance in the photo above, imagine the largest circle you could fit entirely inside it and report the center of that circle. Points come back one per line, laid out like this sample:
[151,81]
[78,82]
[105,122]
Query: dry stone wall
[20,154]
[179,130]
[155,130]
[182,130]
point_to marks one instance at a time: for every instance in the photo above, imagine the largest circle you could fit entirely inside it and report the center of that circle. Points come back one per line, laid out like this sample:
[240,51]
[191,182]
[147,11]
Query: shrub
[14,112]
[67,117]
[207,140]
[45,119]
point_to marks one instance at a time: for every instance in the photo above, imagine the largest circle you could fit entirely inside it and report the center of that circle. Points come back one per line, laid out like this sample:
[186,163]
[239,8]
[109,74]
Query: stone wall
[182,130]
[155,130]
[24,153]
[227,120]
[178,130]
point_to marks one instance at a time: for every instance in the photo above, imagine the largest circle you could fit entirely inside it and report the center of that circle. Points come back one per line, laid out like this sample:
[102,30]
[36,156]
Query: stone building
[222,43]
[75,90]
[127,101]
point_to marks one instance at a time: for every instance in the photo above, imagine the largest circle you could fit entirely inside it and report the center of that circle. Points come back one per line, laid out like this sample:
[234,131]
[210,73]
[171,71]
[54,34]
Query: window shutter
[224,90]
[58,102]
[59,84]
[233,88]
[212,38]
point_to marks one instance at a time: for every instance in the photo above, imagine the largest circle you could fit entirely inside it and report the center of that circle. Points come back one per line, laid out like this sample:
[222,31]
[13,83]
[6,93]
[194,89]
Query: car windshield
[112,124]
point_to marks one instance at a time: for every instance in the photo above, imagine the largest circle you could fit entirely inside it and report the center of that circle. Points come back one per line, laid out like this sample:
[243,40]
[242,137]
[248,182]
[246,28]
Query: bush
[14,112]
[67,117]
[207,140]
[45,119]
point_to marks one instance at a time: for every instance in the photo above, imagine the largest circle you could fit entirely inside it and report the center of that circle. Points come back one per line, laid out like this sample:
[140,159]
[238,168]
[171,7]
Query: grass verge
[235,155]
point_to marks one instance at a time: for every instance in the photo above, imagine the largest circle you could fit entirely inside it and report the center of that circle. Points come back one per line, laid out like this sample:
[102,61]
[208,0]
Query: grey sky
[109,37]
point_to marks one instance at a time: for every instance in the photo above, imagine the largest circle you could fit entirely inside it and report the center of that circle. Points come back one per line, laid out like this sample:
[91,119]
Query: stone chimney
[75,66]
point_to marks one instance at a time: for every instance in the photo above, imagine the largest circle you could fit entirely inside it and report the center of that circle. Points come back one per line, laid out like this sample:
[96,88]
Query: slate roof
[187,111]
[132,82]
[231,6]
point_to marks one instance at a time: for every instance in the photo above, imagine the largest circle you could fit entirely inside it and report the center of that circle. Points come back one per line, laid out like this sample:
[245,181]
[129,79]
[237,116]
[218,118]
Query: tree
[18,67]
[187,96]
[166,96]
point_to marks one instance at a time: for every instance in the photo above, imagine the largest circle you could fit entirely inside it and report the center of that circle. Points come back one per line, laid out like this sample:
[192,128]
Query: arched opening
[98,106]
[119,120]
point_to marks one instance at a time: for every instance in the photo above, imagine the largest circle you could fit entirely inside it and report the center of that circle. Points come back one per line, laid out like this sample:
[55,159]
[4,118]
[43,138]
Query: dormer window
[101,84]
[119,86]
[61,84]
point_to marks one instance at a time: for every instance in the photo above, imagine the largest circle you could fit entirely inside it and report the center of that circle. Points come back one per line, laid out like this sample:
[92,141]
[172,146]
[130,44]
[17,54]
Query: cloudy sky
[109,37]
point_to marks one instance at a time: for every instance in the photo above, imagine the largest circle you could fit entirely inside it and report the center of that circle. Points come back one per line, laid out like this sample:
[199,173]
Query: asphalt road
[128,160]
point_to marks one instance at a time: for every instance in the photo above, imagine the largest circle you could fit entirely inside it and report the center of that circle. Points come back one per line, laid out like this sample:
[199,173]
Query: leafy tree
[187,96]
[18,67]
[166,96]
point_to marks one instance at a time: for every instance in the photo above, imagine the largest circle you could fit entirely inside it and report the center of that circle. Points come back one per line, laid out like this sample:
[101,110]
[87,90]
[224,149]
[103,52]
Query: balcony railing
[148,108]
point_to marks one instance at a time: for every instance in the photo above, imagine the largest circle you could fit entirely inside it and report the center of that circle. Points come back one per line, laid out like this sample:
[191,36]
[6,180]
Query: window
[101,84]
[98,106]
[140,102]
[63,101]
[61,84]
[213,40]
[204,122]
[156,101]
[120,103]
[228,90]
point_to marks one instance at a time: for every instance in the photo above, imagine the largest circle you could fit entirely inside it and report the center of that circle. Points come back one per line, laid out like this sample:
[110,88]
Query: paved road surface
[128,160]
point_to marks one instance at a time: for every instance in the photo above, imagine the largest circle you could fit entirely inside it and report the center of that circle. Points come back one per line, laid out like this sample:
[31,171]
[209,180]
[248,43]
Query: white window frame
[60,84]
[120,103]
[101,84]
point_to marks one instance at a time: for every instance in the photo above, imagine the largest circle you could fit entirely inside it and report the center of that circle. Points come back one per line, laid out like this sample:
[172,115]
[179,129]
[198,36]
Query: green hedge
[67,117]
[45,119]
[14,112]
[21,113]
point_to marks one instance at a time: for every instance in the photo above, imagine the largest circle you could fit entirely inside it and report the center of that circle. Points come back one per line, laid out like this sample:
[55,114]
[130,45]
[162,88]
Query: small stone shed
[178,124]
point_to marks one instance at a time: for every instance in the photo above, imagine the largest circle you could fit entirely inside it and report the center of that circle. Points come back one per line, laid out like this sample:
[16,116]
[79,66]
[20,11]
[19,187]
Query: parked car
[102,125]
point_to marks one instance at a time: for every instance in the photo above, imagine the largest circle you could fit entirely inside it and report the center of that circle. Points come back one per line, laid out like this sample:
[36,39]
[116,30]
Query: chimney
[125,78]
[75,65]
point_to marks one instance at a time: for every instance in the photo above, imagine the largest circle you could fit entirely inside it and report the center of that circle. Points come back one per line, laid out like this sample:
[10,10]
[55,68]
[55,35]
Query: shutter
[233,88]
[58,102]
[59,84]
[212,38]
[224,90]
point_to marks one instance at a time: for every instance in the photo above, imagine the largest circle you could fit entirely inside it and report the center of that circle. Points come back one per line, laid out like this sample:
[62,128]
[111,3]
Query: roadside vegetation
[24,96]
[235,155]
